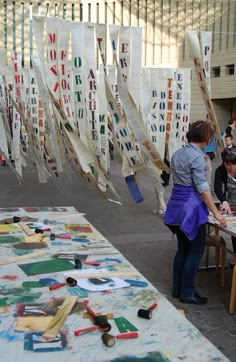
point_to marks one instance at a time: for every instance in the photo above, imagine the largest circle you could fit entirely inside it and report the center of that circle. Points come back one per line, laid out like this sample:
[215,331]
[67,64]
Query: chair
[218,242]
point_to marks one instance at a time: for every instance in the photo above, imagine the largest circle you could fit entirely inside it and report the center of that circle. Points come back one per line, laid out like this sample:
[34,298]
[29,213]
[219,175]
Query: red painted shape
[9,277]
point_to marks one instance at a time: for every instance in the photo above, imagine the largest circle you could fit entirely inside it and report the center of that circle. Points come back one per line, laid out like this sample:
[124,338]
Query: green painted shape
[47,266]
[149,357]
[124,325]
[9,239]
[23,251]
[32,284]
[26,298]
[3,302]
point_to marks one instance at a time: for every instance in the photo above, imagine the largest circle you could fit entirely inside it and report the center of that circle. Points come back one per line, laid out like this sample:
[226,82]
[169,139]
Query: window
[229,69]
[215,72]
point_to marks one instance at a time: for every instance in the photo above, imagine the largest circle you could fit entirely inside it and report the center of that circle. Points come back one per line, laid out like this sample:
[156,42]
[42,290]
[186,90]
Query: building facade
[164,24]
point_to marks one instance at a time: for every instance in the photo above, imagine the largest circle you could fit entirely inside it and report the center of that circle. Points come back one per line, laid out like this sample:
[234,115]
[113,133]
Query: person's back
[183,162]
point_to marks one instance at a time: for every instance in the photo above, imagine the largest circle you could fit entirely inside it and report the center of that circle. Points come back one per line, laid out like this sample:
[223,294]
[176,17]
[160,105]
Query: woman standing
[187,213]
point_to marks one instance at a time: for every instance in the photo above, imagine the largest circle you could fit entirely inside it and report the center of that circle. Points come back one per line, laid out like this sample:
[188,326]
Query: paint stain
[30,246]
[82,228]
[9,277]
[9,239]
[59,243]
[32,284]
[149,357]
[36,343]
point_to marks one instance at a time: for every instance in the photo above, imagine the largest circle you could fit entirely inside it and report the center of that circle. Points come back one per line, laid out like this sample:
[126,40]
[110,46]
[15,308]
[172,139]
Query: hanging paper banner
[161,107]
[198,65]
[53,81]
[169,106]
[134,120]
[91,87]
[124,52]
[206,38]
[3,137]
[87,159]
[16,125]
[3,62]
[33,103]
[103,125]
[78,46]
[33,150]
[181,112]
[145,91]
[52,142]
[38,26]
[119,123]
[62,66]
[135,64]
[42,76]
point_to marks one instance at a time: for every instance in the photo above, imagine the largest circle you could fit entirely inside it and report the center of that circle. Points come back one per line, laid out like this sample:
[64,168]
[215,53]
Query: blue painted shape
[133,188]
[114,260]
[136,283]
[81,240]
[77,291]
[48,281]
[59,243]
[36,343]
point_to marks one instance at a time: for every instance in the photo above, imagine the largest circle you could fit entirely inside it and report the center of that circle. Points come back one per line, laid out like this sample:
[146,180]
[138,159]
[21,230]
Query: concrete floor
[140,236]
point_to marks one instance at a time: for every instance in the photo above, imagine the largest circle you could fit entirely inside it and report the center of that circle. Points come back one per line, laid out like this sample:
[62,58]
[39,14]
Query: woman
[187,213]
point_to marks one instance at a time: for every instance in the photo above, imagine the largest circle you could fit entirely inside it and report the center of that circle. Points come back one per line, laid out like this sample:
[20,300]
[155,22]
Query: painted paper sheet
[119,124]
[78,77]
[198,65]
[206,40]
[181,109]
[91,89]
[135,64]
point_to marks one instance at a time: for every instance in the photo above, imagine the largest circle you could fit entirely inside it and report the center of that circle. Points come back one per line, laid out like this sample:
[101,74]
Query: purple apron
[185,210]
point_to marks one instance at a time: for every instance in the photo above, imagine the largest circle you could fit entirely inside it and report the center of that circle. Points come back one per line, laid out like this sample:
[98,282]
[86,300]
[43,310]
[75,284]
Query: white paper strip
[135,64]
[77,39]
[182,107]
[198,65]
[3,62]
[91,87]
[206,38]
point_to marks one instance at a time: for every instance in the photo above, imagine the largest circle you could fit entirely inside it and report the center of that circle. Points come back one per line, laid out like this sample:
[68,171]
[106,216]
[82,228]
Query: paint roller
[147,313]
[99,320]
[109,340]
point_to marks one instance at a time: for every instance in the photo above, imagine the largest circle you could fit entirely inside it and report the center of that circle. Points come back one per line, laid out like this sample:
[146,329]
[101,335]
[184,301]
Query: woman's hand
[220,218]
[226,208]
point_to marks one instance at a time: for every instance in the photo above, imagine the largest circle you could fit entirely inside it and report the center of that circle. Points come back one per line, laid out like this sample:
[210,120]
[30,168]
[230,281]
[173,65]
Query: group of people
[191,199]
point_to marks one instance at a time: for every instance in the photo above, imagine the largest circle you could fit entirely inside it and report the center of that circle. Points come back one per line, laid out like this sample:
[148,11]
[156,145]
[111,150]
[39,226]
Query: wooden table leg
[222,272]
[233,292]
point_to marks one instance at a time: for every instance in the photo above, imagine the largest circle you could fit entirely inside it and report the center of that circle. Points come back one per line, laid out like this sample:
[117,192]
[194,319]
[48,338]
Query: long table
[230,229]
[26,303]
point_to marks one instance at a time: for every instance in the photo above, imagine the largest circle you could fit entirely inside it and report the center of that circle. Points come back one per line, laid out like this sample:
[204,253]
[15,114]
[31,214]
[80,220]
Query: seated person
[228,141]
[225,183]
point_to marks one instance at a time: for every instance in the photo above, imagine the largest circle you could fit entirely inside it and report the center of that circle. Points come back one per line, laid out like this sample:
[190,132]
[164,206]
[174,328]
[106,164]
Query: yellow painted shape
[33,323]
[8,227]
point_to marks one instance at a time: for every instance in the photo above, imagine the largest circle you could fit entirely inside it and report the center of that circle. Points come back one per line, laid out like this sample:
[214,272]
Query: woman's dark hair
[199,131]
[229,155]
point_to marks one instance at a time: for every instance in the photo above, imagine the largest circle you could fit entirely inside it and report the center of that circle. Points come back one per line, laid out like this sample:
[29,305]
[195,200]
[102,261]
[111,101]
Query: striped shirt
[188,167]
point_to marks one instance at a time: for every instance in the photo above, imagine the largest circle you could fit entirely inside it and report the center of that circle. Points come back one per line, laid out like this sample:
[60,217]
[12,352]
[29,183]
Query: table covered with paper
[67,294]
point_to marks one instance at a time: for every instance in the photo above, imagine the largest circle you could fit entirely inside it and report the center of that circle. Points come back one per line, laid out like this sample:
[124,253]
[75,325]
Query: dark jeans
[186,262]
[234,243]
